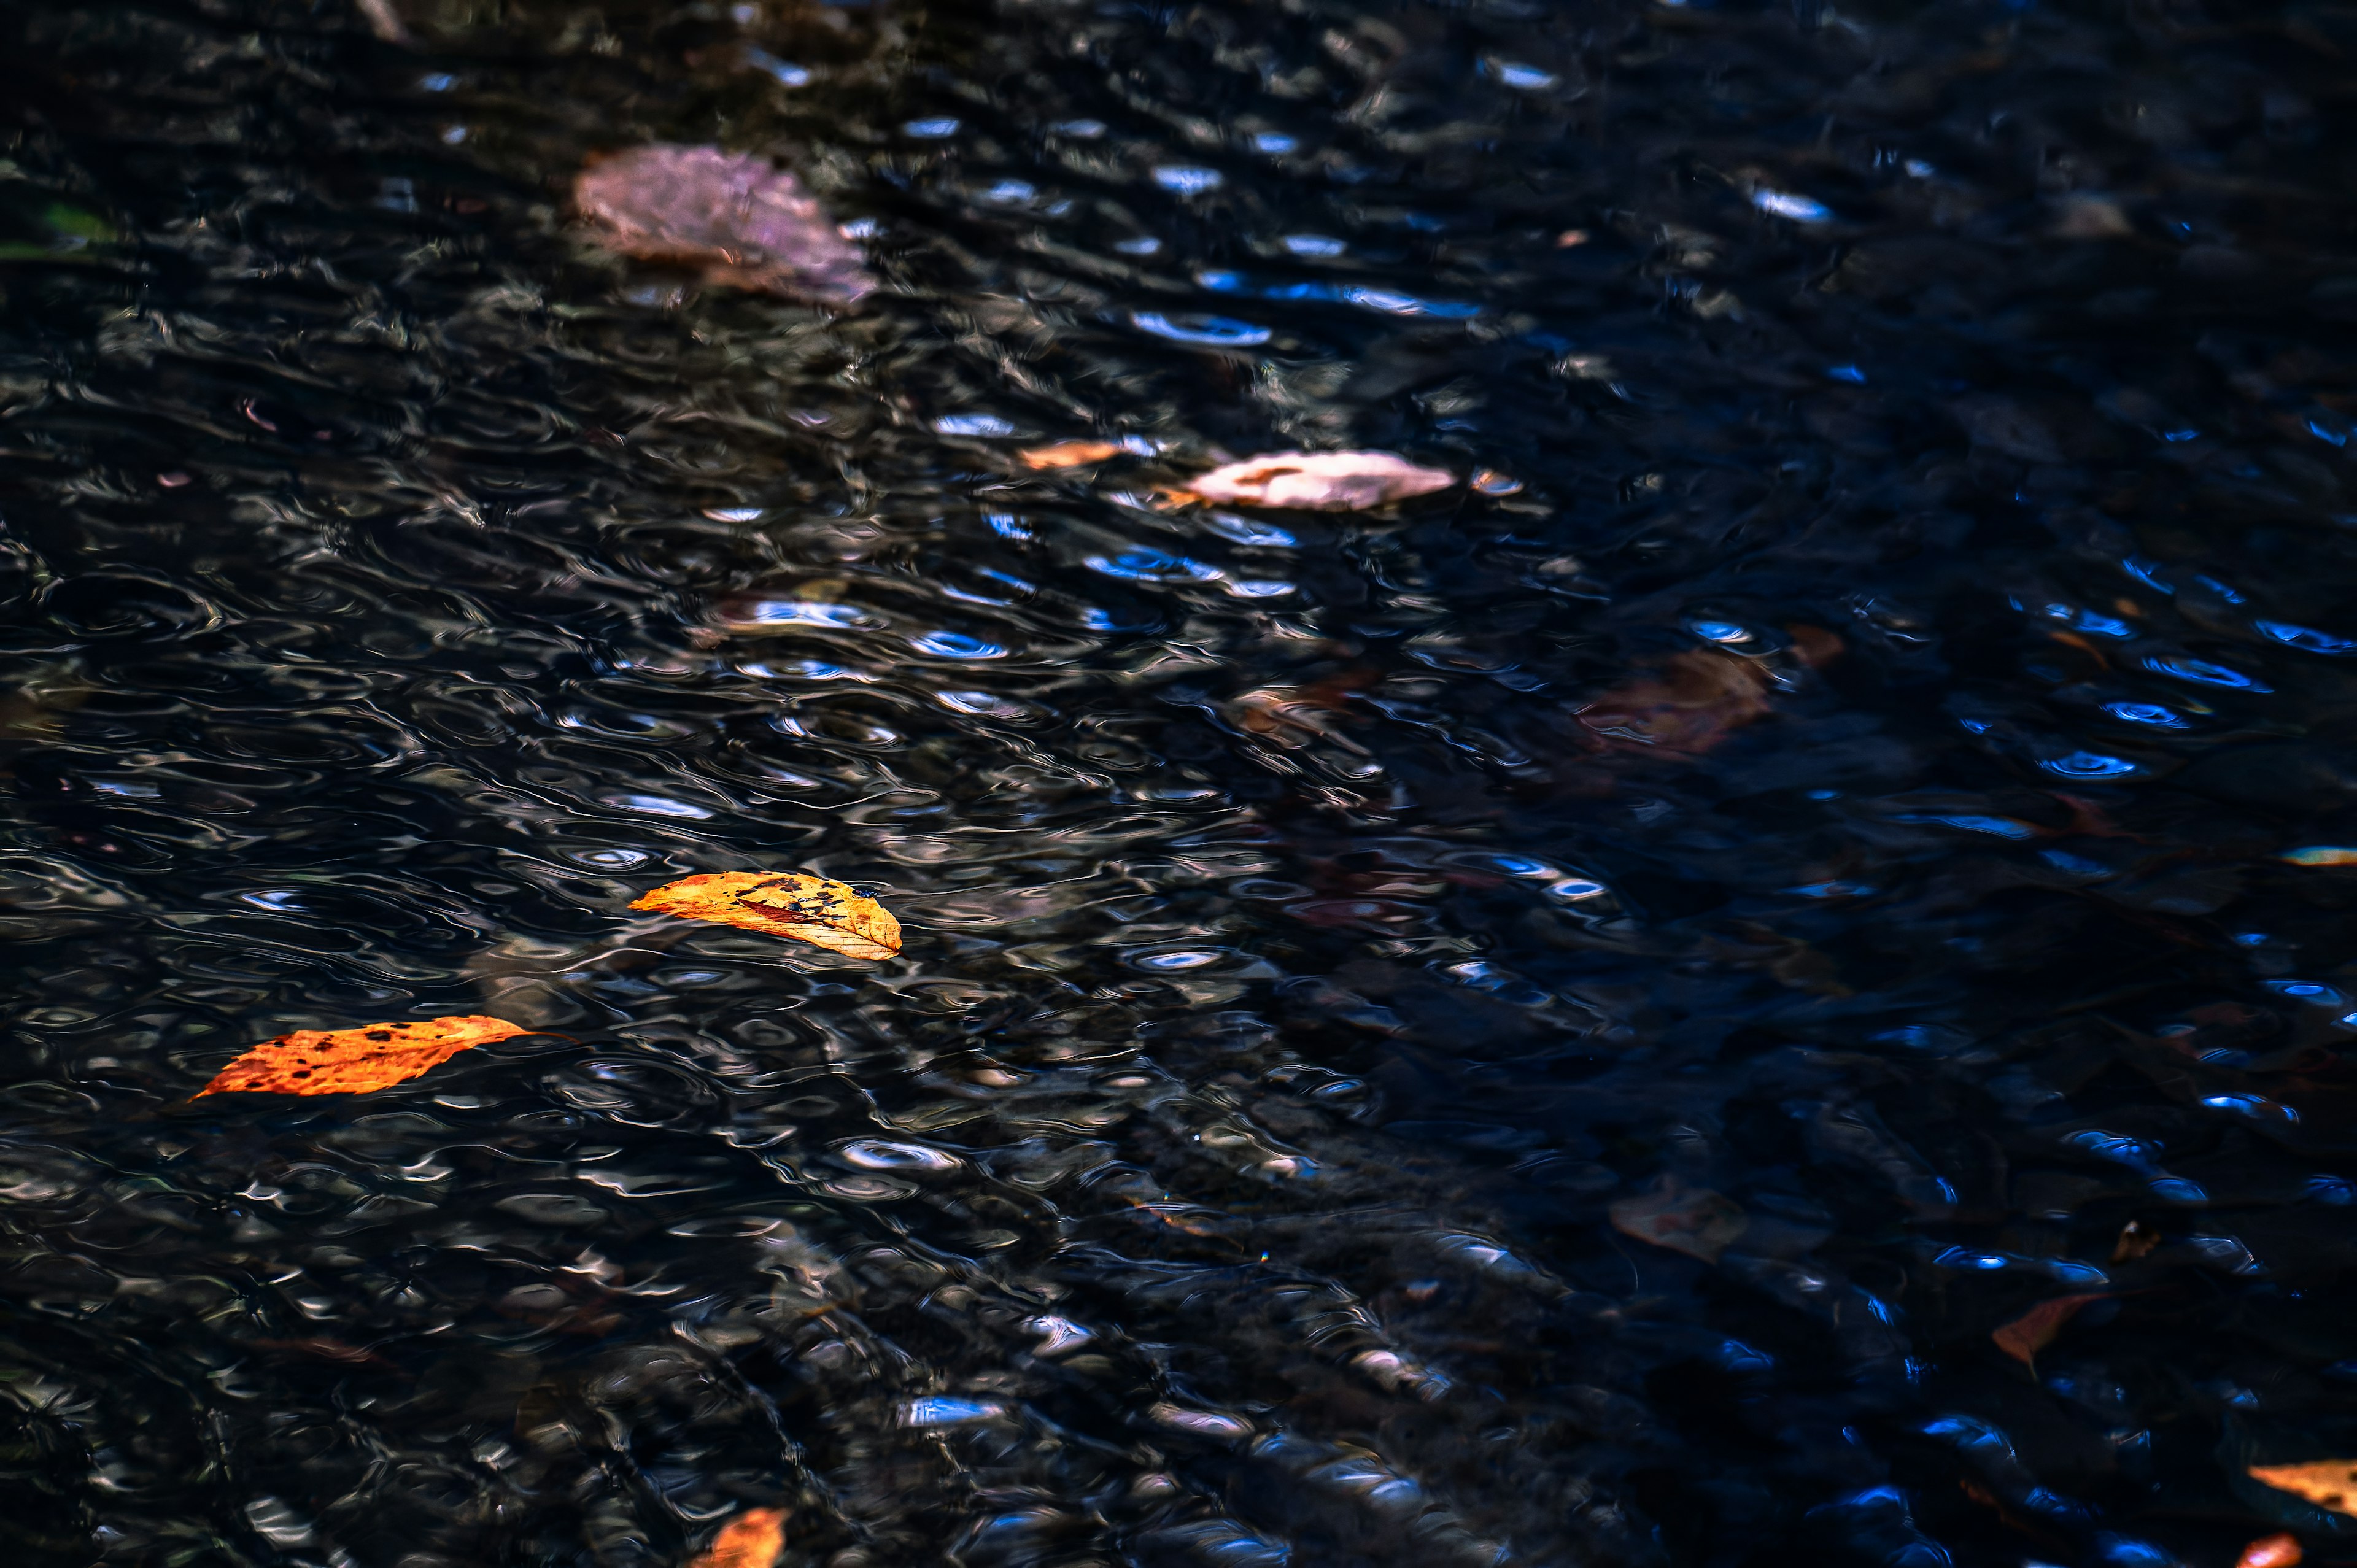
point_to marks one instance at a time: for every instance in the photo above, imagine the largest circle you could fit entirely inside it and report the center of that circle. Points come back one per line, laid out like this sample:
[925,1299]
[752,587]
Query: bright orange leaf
[752,1540]
[1069,453]
[2034,1330]
[783,904]
[354,1061]
[2327,1483]
[2272,1552]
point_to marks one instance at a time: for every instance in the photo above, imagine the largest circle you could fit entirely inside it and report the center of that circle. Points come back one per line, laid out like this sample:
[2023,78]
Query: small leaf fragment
[1319,481]
[752,1540]
[1070,454]
[748,223]
[783,904]
[354,1061]
[2034,1330]
[2327,1483]
[2272,1552]
[1693,1221]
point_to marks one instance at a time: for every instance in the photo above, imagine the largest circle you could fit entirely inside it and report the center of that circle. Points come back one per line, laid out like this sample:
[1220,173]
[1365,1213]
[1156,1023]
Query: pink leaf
[1320,481]
[743,220]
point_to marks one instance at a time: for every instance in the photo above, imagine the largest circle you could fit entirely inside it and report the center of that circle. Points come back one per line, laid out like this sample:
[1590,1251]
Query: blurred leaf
[2327,1483]
[752,1540]
[1687,708]
[1693,1220]
[784,904]
[2034,1330]
[74,223]
[1319,481]
[2272,1552]
[353,1061]
[1069,453]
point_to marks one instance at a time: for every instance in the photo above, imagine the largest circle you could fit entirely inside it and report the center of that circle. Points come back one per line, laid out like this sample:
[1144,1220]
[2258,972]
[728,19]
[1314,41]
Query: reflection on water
[1555,1022]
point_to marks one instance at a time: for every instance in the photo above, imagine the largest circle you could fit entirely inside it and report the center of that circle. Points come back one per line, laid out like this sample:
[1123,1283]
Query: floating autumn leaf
[1693,1220]
[752,1540]
[2327,1483]
[783,904]
[1069,453]
[2272,1552]
[354,1061]
[2034,1330]
[1319,481]
[743,220]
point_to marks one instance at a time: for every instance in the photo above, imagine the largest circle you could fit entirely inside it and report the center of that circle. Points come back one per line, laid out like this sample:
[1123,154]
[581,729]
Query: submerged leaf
[354,1061]
[2034,1330]
[2327,1483]
[783,904]
[1687,708]
[1319,481]
[1069,453]
[743,220]
[1693,1221]
[752,1540]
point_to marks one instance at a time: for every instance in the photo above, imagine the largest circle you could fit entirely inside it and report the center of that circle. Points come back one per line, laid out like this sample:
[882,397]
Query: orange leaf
[2327,1483]
[2034,1330]
[752,1540]
[1069,453]
[2271,1552]
[783,904]
[354,1061]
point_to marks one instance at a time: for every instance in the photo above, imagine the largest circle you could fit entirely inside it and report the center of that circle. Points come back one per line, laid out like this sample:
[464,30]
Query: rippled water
[1849,792]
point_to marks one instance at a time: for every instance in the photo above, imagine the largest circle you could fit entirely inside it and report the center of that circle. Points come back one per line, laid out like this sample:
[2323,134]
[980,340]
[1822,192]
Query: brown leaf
[2272,1552]
[353,1061]
[2327,1483]
[1319,481]
[783,904]
[2136,1239]
[1069,453]
[2034,1330]
[745,221]
[1685,709]
[1693,1220]
[752,1540]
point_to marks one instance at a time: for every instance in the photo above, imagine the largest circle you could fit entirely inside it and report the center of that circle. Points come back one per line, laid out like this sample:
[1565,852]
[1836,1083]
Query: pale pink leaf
[1320,481]
[745,221]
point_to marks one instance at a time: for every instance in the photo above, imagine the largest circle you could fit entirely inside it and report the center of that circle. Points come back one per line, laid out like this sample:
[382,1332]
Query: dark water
[1828,787]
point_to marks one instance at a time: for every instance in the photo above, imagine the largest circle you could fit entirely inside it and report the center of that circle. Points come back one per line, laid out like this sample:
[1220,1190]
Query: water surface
[1852,787]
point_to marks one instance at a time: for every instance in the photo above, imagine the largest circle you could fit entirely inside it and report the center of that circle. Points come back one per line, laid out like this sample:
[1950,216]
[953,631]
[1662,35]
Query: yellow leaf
[354,1061]
[1069,453]
[783,904]
[2327,1483]
[752,1540]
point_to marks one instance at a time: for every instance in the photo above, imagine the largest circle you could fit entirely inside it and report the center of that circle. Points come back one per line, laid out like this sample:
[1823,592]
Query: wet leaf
[2034,1330]
[2136,1238]
[1693,1221]
[2272,1552]
[354,1061]
[744,222]
[384,20]
[783,904]
[752,1540]
[1069,453]
[1319,481]
[2327,1483]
